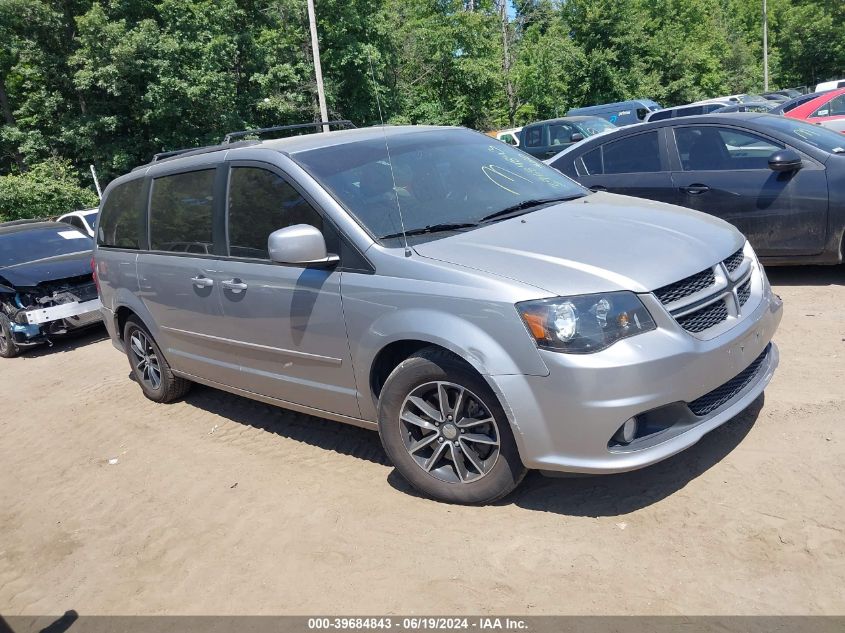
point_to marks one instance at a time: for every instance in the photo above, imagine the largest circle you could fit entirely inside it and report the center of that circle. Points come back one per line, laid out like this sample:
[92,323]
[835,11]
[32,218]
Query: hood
[29,274]
[600,243]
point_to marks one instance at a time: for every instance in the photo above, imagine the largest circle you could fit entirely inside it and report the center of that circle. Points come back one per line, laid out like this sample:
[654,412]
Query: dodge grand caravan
[482,311]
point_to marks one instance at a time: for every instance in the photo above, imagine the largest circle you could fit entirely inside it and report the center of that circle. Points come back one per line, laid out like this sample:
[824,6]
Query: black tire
[415,375]
[8,349]
[168,387]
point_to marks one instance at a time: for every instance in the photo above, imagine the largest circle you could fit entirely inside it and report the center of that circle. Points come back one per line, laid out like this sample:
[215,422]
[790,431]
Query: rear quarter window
[122,221]
[592,162]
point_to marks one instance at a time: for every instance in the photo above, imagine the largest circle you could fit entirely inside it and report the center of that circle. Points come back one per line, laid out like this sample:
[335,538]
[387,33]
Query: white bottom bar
[63,311]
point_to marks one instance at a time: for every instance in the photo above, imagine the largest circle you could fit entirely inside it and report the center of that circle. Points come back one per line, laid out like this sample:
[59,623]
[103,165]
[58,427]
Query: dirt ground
[110,504]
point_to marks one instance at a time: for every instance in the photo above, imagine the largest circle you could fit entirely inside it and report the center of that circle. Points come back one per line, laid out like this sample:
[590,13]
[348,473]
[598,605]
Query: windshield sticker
[72,235]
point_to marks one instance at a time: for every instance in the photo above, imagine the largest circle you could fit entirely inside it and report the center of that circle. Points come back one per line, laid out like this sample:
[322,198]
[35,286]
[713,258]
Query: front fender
[461,336]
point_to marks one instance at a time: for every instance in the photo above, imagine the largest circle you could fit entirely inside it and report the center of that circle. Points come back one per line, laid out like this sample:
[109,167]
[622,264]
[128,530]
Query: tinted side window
[74,222]
[122,221]
[710,148]
[659,116]
[834,107]
[561,133]
[634,154]
[534,136]
[261,202]
[691,111]
[181,212]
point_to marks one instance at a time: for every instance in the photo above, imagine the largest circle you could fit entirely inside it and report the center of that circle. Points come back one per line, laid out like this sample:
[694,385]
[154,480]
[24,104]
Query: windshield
[35,244]
[815,135]
[594,126]
[90,217]
[442,177]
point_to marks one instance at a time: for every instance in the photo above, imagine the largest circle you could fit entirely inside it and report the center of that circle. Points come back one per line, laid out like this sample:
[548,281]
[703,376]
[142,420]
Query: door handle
[235,285]
[598,188]
[695,190]
[202,282]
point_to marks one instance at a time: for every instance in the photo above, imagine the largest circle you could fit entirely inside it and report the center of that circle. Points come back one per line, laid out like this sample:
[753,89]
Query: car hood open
[600,243]
[30,274]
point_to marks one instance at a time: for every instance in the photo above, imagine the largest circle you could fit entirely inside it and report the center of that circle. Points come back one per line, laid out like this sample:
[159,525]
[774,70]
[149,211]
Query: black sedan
[780,181]
[46,284]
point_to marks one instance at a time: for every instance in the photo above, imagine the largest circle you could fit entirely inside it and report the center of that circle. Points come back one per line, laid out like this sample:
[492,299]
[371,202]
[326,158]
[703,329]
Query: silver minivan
[482,311]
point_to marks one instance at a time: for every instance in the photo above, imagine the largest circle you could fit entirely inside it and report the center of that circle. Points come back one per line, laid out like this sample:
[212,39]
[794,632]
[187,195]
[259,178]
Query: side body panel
[781,214]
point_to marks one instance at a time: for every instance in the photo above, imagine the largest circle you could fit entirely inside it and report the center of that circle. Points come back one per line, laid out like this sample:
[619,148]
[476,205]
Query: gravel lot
[220,505]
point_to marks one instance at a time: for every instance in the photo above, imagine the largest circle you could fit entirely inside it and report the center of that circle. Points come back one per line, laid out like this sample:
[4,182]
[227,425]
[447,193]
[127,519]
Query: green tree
[46,189]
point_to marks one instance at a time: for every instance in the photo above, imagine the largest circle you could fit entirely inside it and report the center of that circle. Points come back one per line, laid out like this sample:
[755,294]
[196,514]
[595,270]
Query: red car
[827,110]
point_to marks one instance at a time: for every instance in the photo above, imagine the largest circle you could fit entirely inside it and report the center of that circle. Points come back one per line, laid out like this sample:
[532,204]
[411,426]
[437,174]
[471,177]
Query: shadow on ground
[326,434]
[66,343]
[806,275]
[607,495]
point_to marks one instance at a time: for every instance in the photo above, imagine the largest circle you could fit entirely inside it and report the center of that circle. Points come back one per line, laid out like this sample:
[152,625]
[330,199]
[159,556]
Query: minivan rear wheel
[149,367]
[445,431]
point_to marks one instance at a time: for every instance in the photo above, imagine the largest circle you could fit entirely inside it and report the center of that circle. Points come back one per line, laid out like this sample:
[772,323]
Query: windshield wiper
[432,228]
[525,205]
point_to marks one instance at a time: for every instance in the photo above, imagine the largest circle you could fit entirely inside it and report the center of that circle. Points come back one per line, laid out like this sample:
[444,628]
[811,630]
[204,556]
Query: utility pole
[318,71]
[506,60]
[765,48]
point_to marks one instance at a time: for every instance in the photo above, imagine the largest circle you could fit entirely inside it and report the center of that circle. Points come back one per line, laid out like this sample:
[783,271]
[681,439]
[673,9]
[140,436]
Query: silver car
[482,311]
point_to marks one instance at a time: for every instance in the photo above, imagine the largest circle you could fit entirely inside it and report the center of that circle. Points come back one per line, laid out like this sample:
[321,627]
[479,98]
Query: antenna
[389,161]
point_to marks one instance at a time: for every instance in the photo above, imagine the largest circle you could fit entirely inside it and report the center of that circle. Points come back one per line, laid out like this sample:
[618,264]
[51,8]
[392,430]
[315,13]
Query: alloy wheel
[449,432]
[145,360]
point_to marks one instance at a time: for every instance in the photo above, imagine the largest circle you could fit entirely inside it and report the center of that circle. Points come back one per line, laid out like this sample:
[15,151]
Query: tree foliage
[46,189]
[110,82]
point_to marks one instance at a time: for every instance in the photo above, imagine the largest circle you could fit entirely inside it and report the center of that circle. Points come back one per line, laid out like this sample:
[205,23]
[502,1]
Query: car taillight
[94,273]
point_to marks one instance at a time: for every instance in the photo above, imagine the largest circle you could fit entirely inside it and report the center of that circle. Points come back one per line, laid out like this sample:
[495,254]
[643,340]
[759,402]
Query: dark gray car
[778,180]
[547,138]
[485,313]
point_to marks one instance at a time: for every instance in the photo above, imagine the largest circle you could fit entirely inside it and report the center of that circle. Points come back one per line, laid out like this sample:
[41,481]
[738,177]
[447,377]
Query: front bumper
[32,327]
[565,421]
[86,312]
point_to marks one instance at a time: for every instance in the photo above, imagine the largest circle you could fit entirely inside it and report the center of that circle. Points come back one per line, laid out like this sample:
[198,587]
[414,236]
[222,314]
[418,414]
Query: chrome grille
[733,262]
[743,292]
[711,401]
[686,287]
[705,318]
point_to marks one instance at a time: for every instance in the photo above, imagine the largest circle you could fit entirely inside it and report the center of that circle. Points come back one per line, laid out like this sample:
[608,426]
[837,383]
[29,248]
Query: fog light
[627,432]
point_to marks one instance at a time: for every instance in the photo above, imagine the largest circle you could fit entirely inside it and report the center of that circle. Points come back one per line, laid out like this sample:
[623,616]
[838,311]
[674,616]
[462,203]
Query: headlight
[587,323]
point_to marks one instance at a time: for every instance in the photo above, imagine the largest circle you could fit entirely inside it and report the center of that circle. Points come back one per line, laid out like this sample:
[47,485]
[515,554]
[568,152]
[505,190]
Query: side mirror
[785,160]
[577,136]
[300,244]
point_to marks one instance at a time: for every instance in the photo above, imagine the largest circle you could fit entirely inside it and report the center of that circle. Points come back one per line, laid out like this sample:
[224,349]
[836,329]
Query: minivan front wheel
[445,431]
[149,367]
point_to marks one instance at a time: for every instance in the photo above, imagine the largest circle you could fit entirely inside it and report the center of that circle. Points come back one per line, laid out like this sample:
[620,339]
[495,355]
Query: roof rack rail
[175,152]
[280,128]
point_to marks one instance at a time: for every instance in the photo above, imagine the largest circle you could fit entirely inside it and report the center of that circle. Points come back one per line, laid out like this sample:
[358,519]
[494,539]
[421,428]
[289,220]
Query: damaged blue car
[46,284]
